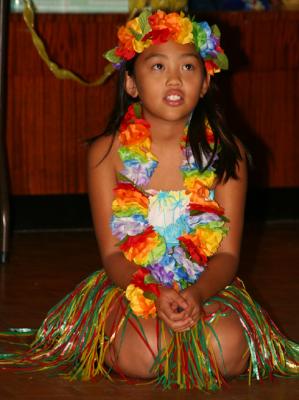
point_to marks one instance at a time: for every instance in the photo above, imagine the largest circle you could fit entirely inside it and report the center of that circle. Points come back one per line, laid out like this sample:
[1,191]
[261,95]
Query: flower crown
[159,27]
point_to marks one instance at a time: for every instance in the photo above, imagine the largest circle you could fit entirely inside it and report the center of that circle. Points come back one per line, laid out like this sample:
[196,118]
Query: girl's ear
[205,85]
[130,86]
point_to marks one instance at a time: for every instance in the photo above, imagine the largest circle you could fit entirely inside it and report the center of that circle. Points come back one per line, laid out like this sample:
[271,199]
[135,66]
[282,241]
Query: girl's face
[169,79]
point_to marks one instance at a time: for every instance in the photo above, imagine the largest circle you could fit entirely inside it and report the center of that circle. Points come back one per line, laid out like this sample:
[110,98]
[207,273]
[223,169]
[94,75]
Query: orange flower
[196,197]
[195,182]
[126,195]
[178,27]
[140,305]
[199,203]
[198,191]
[157,20]
[125,38]
[133,134]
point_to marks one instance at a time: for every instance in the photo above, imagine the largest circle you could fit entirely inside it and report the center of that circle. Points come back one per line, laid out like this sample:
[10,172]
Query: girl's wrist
[196,293]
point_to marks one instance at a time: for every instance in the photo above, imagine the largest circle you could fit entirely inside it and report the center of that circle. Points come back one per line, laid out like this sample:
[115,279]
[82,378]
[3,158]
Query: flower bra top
[171,233]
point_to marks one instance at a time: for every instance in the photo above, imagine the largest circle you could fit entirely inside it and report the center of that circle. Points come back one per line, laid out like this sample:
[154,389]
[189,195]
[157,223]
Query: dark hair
[123,100]
[206,109]
[229,154]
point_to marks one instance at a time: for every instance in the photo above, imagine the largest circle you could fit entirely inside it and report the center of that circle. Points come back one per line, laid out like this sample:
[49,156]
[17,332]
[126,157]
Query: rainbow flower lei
[160,27]
[170,234]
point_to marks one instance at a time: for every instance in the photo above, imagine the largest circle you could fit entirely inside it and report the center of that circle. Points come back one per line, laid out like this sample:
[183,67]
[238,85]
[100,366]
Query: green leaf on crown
[216,31]
[200,36]
[221,61]
[143,22]
[138,36]
[112,57]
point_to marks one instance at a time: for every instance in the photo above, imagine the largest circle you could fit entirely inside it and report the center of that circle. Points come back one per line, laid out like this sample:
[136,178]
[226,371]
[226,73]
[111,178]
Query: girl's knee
[236,362]
[133,365]
[131,355]
[231,349]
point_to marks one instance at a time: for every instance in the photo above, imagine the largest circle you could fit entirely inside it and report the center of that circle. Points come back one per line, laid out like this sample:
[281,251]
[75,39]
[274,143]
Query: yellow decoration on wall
[137,4]
[60,73]
[157,4]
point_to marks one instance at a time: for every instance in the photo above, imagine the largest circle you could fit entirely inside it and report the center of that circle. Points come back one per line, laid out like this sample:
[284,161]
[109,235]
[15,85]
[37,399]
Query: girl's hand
[194,310]
[171,308]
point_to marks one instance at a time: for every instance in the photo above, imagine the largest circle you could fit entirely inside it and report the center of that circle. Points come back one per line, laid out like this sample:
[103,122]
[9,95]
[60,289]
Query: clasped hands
[179,310]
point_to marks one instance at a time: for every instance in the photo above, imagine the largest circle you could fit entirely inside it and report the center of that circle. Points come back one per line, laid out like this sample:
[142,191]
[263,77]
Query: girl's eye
[157,67]
[188,67]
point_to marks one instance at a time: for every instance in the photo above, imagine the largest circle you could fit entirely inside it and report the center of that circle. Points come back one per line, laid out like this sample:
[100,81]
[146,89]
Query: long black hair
[206,109]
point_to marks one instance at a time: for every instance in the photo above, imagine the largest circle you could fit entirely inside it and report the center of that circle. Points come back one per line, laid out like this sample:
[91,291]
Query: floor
[44,266]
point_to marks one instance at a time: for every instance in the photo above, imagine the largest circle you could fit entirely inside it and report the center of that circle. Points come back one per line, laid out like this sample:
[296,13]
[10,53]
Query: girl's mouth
[174,99]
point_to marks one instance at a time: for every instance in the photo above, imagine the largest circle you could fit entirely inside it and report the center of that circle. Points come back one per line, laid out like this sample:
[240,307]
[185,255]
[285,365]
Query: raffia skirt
[72,340]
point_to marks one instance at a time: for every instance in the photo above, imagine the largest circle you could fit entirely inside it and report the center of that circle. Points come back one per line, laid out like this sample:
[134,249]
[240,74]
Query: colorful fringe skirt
[72,340]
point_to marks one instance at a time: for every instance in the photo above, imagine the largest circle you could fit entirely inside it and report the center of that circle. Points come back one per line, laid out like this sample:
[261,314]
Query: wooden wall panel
[49,119]
[263,89]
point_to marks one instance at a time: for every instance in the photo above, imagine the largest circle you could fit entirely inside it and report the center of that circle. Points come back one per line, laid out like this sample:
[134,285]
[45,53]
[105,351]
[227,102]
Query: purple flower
[123,226]
[118,65]
[193,270]
[204,218]
[161,275]
[139,173]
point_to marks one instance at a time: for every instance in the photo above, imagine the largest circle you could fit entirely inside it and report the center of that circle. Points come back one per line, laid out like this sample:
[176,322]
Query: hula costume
[171,235]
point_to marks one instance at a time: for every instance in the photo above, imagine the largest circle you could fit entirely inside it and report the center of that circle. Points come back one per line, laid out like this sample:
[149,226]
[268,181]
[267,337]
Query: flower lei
[160,27]
[174,255]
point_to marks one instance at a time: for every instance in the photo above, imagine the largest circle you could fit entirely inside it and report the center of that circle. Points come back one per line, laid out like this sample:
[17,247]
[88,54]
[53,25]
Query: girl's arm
[101,174]
[222,267]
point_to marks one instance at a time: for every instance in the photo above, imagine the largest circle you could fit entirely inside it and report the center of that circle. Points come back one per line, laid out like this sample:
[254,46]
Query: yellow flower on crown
[138,45]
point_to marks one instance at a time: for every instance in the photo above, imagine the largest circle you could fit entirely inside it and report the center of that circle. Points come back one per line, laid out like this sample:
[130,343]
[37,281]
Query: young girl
[167,187]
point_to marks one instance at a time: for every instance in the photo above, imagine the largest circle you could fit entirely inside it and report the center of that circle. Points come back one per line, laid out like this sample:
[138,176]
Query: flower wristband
[142,292]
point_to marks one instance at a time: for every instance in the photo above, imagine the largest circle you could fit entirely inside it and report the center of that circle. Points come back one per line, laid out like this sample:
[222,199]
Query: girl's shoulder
[103,150]
[102,165]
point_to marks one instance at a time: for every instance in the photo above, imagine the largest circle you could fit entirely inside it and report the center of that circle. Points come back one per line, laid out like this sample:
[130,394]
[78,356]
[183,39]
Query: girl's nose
[174,78]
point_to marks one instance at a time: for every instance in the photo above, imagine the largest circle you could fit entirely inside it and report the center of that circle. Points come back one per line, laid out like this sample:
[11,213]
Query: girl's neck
[165,131]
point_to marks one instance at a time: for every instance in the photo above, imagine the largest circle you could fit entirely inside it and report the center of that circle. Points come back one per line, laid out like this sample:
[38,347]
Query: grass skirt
[72,340]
